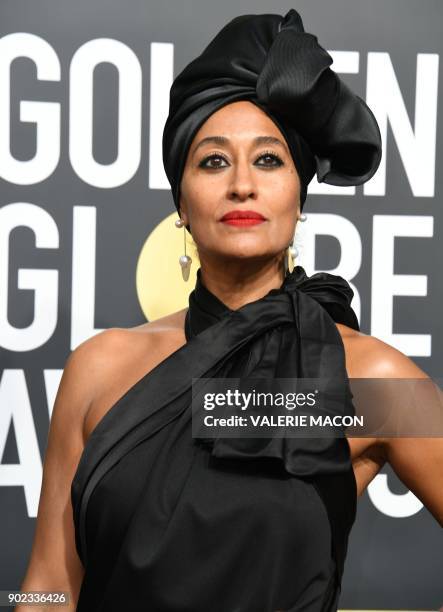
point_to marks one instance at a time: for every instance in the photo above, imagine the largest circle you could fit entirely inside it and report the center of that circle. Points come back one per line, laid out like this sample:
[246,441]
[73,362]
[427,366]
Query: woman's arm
[417,461]
[54,564]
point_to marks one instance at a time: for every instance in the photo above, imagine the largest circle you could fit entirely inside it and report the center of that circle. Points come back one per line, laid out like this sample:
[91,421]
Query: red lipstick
[243,218]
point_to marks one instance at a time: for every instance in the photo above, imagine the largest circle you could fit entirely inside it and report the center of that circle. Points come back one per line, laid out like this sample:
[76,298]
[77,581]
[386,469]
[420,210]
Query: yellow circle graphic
[161,289]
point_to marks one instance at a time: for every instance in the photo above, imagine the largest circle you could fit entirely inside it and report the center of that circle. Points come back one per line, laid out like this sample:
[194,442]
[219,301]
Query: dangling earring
[291,256]
[184,260]
[292,251]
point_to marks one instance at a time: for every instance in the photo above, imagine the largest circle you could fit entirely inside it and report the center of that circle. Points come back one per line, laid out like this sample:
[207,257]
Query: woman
[164,521]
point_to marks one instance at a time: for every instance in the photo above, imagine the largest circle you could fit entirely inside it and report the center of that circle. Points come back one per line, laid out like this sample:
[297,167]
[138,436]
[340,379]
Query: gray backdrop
[76,197]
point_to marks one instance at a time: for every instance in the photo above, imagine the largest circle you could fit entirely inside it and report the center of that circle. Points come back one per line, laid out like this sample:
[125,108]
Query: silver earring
[302,217]
[184,260]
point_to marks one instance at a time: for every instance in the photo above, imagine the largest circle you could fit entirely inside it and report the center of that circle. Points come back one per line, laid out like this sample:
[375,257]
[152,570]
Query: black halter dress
[165,523]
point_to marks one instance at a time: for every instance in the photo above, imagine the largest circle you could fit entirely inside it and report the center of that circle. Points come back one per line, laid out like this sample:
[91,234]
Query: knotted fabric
[295,347]
[166,522]
[271,61]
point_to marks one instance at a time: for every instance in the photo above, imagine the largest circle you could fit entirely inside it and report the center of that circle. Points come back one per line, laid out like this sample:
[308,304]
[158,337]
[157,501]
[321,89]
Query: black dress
[165,522]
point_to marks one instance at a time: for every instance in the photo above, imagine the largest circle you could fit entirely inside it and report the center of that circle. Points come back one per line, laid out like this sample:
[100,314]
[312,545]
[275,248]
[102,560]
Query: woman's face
[239,160]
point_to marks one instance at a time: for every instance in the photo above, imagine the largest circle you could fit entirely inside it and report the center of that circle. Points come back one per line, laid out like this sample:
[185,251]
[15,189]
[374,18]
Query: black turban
[271,61]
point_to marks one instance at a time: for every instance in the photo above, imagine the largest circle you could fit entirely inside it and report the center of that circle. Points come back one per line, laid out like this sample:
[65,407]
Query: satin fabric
[271,61]
[166,522]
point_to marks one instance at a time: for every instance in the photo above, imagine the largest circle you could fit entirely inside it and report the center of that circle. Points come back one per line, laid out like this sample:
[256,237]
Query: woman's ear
[182,211]
[298,211]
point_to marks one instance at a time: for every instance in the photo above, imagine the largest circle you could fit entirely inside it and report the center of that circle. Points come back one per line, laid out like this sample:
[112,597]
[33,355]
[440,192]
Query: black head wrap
[271,61]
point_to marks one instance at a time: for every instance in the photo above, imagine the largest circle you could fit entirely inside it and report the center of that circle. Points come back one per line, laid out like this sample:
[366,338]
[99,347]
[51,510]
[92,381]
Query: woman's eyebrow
[258,140]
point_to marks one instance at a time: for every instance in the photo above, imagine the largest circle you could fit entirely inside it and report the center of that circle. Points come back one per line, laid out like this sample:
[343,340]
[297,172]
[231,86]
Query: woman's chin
[244,255]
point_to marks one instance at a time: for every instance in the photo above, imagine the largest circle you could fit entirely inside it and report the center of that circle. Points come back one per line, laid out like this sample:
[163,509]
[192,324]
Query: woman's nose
[242,184]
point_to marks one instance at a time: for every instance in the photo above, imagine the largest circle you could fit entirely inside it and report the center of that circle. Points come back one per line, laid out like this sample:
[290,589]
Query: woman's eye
[204,164]
[272,157]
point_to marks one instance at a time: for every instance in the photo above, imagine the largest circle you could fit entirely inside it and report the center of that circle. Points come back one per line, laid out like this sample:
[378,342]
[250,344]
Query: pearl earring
[291,256]
[184,260]
[293,252]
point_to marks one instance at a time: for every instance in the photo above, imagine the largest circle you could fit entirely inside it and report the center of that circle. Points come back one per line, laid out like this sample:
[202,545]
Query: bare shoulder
[169,323]
[102,352]
[417,460]
[146,341]
[115,359]
[370,357]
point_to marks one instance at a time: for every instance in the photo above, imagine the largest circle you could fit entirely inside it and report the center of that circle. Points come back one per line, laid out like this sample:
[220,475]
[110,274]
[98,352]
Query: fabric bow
[297,83]
[297,338]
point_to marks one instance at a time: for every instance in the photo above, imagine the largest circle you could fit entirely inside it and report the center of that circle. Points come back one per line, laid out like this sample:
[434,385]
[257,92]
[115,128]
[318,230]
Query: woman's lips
[243,217]
[243,221]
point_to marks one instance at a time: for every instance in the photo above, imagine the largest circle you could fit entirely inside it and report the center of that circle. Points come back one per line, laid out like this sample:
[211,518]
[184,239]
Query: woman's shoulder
[169,323]
[370,357]
[116,343]
[113,360]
